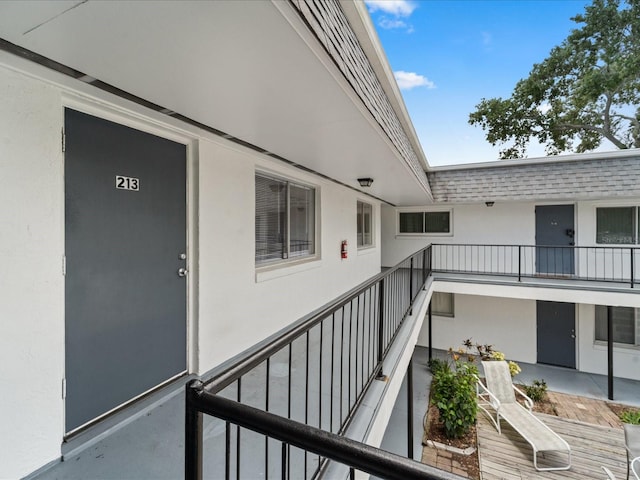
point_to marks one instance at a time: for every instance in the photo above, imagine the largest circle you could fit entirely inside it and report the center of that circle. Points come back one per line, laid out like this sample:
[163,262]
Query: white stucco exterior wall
[32,286]
[235,308]
[506,323]
[239,306]
[504,223]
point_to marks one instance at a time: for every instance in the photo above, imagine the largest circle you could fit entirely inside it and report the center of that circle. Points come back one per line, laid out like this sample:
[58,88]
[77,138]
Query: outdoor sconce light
[489,204]
[365,182]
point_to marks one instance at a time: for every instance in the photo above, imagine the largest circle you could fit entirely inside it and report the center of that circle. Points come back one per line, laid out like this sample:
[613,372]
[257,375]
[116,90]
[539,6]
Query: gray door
[125,233]
[554,226]
[556,333]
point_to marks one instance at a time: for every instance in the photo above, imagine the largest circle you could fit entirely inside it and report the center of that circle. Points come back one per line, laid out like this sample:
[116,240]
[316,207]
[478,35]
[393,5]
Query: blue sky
[449,54]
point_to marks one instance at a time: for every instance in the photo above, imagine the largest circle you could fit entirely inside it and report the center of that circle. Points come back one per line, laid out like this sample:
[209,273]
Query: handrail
[245,363]
[612,263]
[344,450]
[355,332]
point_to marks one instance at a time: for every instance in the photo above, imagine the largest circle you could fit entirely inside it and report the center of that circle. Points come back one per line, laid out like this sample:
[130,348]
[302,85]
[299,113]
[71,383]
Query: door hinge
[63,140]
[64,388]
[64,265]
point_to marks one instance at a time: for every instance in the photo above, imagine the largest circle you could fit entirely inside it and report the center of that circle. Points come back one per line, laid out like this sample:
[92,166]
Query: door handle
[182,272]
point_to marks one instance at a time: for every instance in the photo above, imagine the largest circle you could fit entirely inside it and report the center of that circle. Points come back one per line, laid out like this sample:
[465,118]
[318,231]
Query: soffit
[246,68]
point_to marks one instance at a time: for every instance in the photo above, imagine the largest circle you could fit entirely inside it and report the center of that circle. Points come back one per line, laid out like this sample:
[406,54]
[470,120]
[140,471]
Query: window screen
[442,304]
[624,324]
[436,222]
[285,219]
[411,222]
[424,222]
[364,219]
[616,225]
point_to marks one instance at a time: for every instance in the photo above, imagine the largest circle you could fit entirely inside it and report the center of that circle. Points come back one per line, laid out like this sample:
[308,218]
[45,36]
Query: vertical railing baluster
[631,252]
[411,287]
[266,408]
[284,461]
[341,366]
[349,376]
[193,433]
[331,389]
[357,335]
[306,399]
[519,263]
[381,307]
[238,399]
[227,452]
[320,376]
[410,409]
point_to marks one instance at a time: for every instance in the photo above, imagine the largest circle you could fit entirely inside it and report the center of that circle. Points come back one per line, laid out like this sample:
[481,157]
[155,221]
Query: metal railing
[315,374]
[602,264]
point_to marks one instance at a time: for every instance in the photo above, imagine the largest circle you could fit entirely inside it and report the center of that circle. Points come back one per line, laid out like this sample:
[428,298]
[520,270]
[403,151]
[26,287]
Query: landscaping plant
[454,395]
[631,416]
[536,391]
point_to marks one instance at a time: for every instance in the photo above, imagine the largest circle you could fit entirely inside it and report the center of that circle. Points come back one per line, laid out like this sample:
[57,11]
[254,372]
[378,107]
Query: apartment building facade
[181,182]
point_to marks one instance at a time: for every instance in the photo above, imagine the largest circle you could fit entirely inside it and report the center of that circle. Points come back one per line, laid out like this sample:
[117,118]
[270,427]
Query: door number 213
[127,183]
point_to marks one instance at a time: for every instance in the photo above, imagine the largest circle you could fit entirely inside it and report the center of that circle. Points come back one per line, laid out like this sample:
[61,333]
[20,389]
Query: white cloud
[397,8]
[486,38]
[389,23]
[409,80]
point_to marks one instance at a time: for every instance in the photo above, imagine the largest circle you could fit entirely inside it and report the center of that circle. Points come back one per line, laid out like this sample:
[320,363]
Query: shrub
[454,395]
[631,416]
[437,364]
[537,391]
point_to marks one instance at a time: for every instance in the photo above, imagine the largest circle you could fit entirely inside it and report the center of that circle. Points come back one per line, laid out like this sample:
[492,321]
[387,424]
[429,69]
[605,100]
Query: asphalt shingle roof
[559,180]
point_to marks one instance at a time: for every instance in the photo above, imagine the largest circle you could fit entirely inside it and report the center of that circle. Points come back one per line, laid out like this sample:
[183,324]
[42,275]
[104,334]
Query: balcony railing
[293,399]
[600,264]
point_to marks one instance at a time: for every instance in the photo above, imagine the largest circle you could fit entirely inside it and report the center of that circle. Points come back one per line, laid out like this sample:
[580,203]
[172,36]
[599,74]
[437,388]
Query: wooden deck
[509,456]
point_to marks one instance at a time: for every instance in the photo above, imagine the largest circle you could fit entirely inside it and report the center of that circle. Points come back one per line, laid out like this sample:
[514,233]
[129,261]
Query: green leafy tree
[585,91]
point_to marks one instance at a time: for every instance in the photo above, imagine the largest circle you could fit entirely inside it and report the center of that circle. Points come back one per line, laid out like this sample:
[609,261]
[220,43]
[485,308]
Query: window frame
[636,329]
[291,257]
[371,244]
[450,314]
[424,213]
[635,218]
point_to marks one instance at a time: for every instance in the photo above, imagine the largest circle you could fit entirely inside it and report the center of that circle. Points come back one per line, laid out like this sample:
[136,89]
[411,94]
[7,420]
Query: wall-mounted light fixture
[489,204]
[365,182]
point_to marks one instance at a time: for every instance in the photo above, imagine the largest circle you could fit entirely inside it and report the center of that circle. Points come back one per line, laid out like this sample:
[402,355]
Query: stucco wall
[32,285]
[504,223]
[506,323]
[509,324]
[239,307]
[236,308]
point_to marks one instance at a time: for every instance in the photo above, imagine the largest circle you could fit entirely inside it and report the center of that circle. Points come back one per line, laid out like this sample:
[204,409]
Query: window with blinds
[442,304]
[626,325]
[285,219]
[365,227]
[424,222]
[617,225]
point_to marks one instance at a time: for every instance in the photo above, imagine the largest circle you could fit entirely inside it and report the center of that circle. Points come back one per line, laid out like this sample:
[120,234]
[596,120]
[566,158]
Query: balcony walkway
[151,445]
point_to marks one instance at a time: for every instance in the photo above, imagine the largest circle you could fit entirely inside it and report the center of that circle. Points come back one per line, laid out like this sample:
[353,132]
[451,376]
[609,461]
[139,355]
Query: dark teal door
[556,333]
[555,228]
[125,240]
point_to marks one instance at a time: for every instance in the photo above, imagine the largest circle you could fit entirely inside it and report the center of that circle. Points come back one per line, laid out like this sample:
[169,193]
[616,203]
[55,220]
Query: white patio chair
[635,468]
[499,394]
[632,444]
